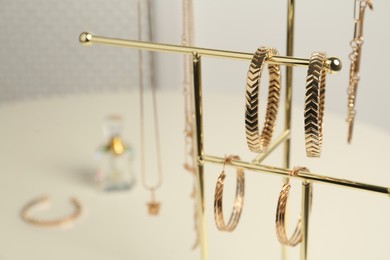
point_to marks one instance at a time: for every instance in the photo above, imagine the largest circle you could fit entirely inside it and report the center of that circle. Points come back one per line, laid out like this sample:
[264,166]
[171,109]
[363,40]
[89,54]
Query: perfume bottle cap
[112,129]
[116,146]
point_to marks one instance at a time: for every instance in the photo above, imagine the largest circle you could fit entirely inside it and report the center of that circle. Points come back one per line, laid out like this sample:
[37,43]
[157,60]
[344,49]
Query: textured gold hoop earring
[218,198]
[260,142]
[315,104]
[281,233]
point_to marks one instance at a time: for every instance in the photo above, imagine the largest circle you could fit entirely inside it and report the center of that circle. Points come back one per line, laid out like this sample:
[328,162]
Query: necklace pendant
[154,208]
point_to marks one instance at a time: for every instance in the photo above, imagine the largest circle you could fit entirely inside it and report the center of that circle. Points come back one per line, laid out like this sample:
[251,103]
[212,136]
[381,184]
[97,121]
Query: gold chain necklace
[355,58]
[189,126]
[153,205]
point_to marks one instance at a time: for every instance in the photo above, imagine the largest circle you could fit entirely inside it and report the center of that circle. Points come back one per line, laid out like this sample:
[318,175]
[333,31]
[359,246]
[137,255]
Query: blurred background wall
[40,54]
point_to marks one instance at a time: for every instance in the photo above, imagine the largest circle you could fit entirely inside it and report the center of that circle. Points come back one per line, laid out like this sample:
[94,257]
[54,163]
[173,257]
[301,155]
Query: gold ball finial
[334,64]
[85,38]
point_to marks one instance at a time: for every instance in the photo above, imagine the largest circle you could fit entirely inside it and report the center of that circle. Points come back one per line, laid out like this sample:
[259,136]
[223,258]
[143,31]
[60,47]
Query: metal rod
[302,175]
[332,64]
[288,97]
[306,202]
[282,138]
[289,79]
[198,108]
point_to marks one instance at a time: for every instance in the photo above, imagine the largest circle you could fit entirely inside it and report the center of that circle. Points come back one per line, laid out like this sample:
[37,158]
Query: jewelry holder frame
[331,65]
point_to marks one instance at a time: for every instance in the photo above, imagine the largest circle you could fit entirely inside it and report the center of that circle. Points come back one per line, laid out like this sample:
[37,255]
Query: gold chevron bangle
[260,142]
[25,214]
[281,233]
[239,201]
[315,104]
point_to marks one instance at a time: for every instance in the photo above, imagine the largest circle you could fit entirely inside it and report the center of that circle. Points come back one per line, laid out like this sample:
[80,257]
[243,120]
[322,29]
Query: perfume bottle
[115,158]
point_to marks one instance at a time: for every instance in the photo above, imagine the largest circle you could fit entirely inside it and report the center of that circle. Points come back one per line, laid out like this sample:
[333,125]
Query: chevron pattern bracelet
[260,142]
[315,104]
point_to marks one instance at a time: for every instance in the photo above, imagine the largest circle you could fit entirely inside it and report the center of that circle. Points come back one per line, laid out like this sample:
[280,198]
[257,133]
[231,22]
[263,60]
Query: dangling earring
[239,201]
[315,104]
[355,58]
[259,142]
[296,237]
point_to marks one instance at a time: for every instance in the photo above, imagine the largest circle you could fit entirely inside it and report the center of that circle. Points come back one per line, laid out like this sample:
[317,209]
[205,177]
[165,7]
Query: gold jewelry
[239,201]
[256,142]
[296,237]
[315,104]
[25,214]
[153,205]
[355,57]
[189,127]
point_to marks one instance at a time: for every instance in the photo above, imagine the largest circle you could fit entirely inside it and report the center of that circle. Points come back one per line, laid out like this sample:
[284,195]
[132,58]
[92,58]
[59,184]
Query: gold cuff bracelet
[25,214]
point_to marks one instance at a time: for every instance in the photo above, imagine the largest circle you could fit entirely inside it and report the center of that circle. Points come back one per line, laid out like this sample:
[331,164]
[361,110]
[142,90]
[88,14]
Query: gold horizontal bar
[302,175]
[87,39]
[283,137]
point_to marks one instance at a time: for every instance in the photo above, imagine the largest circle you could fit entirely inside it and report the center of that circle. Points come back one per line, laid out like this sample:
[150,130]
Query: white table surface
[47,147]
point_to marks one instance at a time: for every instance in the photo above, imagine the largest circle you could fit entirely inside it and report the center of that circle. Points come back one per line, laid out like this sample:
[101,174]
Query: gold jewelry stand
[331,65]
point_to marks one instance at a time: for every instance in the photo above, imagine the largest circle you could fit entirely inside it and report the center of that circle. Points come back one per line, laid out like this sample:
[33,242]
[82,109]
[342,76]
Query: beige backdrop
[40,54]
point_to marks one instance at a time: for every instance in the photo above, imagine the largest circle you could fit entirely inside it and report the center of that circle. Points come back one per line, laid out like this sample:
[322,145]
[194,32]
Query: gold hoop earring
[218,198]
[281,233]
[260,142]
[25,214]
[315,104]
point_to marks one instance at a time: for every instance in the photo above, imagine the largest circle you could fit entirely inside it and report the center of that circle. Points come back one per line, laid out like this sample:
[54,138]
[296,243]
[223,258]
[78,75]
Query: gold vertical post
[198,108]
[288,98]
[289,78]
[306,203]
